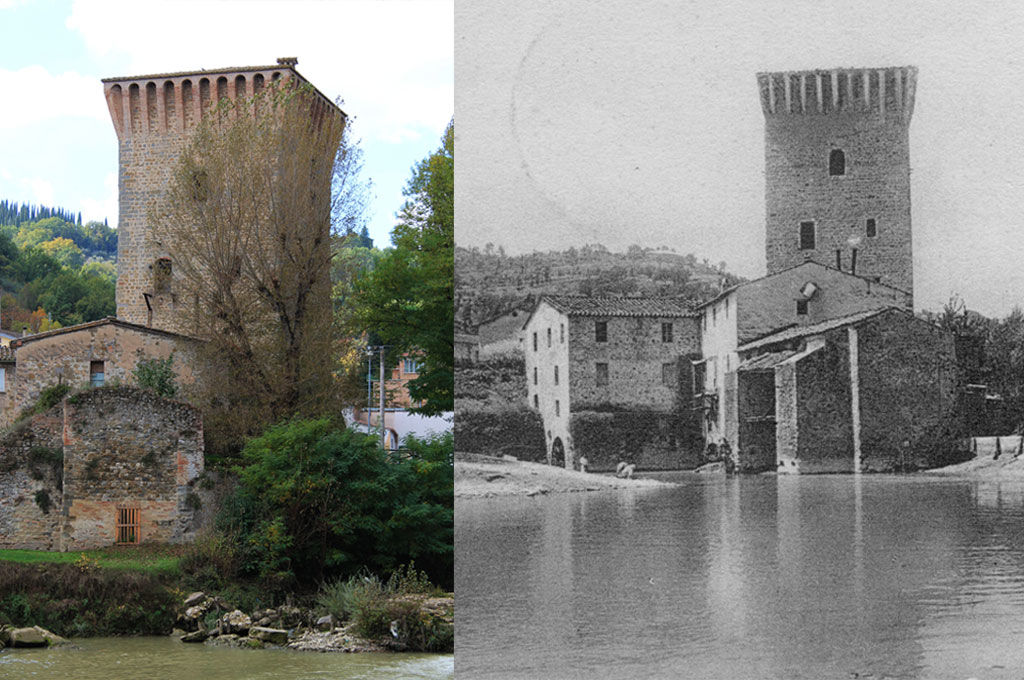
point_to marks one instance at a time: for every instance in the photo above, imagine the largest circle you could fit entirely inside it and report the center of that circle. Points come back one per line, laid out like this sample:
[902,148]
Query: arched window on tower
[837,163]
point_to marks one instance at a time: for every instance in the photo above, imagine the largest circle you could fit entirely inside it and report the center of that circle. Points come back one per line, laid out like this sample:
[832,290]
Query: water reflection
[761,577]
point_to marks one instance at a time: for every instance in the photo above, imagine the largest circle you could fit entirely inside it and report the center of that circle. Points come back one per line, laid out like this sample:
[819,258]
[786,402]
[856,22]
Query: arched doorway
[558,453]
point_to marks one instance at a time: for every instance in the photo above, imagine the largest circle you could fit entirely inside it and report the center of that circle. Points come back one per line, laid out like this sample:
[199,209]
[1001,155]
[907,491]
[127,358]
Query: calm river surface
[755,577]
[164,658]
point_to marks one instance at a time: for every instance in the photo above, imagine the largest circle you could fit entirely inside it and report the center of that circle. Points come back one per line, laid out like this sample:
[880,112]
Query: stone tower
[154,117]
[837,170]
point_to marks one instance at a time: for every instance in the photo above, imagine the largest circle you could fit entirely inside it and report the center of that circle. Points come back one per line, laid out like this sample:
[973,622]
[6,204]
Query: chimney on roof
[287,61]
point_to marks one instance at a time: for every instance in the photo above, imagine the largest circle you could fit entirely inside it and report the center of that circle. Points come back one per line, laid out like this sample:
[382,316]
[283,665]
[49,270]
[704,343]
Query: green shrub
[318,501]
[157,375]
[48,398]
[42,498]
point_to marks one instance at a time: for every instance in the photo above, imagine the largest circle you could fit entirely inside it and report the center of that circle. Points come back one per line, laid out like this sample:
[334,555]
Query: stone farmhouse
[819,366]
[612,378]
[118,465]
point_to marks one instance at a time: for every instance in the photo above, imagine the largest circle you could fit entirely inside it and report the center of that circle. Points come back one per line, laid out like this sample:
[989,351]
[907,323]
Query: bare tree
[246,220]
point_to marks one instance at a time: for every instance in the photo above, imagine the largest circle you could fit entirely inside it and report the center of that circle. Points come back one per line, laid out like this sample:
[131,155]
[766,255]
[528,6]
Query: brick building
[611,379]
[88,354]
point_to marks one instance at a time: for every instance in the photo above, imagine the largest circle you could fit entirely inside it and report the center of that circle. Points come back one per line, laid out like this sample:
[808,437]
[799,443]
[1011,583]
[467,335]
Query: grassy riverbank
[147,559]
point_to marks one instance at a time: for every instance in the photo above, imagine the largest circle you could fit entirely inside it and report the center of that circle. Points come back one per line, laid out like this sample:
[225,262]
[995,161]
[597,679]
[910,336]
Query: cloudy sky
[626,122]
[390,61]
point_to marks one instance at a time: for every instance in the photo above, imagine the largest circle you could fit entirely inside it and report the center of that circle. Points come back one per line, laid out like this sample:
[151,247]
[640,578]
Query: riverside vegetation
[322,523]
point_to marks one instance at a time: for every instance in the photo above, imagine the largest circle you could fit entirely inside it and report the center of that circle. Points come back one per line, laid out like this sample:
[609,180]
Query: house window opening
[837,163]
[534,375]
[601,331]
[410,366]
[561,333]
[3,379]
[698,379]
[807,236]
[96,374]
[872,229]
[666,332]
[127,526]
[668,375]
[536,401]
[558,409]
[534,342]
[601,374]
[556,375]
[162,276]
[549,337]
[801,307]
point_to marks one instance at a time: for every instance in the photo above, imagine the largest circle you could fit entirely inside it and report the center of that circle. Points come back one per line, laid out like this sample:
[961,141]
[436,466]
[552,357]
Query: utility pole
[381,417]
[369,386]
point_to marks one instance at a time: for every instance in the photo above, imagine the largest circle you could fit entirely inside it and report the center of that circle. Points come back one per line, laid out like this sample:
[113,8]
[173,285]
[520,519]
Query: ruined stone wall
[787,434]
[907,393]
[31,473]
[66,357]
[755,400]
[866,114]
[129,447]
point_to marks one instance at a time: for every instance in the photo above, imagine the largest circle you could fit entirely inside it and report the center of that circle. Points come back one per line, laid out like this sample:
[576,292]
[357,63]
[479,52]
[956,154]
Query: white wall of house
[546,352]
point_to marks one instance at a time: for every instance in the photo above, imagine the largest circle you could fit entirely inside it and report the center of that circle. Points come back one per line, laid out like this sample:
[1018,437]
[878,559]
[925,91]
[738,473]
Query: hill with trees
[54,271]
[489,283]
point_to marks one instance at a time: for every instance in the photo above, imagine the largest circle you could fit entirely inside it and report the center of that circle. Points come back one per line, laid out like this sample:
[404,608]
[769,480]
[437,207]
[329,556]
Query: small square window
[801,307]
[666,332]
[601,331]
[872,229]
[127,525]
[601,374]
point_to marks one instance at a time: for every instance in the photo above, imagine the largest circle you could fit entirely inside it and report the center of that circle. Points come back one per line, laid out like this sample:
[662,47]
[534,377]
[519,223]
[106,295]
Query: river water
[165,658]
[750,577]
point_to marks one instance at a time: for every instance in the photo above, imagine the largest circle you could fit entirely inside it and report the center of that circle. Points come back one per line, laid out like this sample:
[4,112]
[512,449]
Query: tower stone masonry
[154,117]
[837,170]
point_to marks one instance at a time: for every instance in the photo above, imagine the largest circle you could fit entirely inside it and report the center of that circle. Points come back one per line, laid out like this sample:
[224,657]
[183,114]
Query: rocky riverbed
[213,621]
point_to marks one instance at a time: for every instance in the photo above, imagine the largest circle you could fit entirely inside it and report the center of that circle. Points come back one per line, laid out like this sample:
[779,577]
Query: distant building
[611,378]
[502,334]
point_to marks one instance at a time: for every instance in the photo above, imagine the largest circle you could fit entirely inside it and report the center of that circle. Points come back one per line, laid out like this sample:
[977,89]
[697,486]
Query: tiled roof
[99,322]
[814,329]
[579,305]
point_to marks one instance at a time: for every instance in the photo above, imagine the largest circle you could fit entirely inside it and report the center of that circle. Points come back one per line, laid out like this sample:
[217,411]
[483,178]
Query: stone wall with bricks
[128,448]
[67,355]
[98,451]
[31,482]
[907,393]
[864,114]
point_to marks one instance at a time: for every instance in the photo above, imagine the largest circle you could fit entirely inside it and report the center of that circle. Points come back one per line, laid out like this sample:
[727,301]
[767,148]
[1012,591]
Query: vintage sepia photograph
[738,335]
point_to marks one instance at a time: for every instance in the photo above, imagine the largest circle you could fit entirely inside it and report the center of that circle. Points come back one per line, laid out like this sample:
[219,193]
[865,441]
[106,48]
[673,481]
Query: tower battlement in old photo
[837,170]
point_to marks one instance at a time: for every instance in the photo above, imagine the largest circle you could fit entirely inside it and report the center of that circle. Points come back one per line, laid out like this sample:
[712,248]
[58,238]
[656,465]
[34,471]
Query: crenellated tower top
[175,102]
[887,92]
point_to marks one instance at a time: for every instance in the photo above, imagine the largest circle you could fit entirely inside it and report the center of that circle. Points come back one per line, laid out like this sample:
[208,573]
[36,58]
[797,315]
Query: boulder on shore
[194,599]
[237,622]
[28,637]
[195,636]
